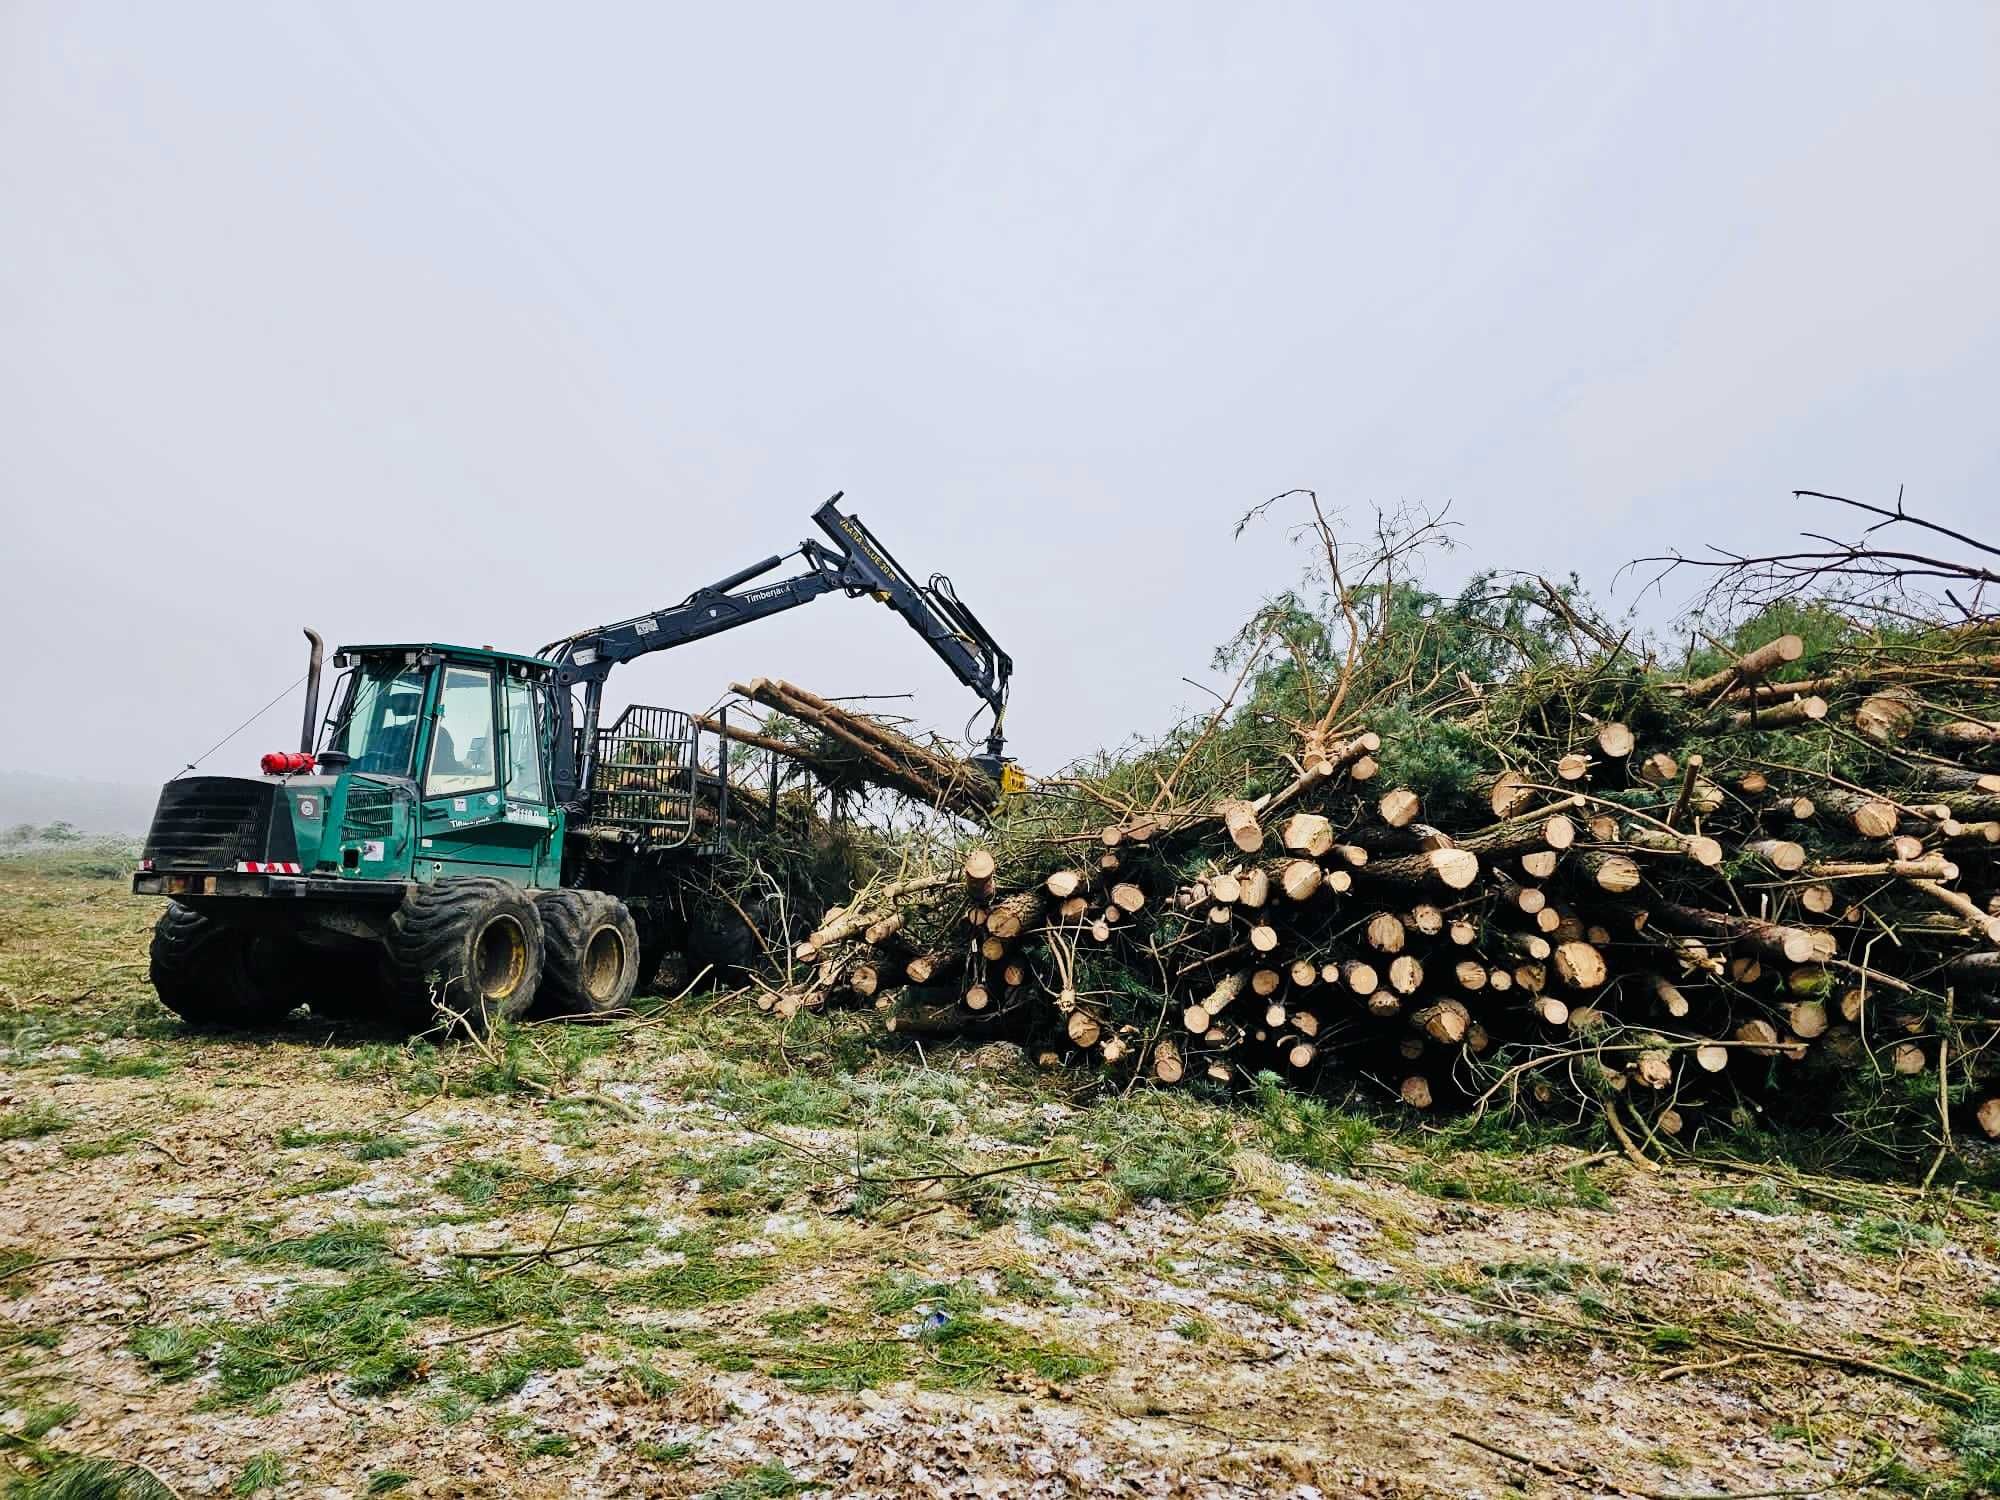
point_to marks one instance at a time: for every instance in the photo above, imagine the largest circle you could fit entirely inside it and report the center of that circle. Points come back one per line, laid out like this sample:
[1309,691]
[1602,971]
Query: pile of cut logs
[1677,914]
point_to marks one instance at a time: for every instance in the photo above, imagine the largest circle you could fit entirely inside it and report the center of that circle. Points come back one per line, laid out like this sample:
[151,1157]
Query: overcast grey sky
[485,322]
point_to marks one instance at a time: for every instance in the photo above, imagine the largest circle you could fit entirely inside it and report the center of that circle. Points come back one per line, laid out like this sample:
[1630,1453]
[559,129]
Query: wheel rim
[603,964]
[500,958]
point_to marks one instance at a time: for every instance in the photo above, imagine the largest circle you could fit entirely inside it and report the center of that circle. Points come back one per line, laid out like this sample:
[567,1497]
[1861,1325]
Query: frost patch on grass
[648,1102]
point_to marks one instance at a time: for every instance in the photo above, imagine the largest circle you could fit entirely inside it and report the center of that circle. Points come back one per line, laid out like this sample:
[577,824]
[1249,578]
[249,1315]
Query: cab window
[462,747]
[376,726]
[524,743]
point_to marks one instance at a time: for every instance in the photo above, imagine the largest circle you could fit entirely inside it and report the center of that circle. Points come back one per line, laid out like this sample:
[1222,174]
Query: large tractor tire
[661,931]
[733,938]
[464,952]
[591,962]
[210,973]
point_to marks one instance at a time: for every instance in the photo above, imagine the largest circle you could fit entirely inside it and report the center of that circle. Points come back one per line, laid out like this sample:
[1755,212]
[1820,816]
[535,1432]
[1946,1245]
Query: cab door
[466,829]
[527,808]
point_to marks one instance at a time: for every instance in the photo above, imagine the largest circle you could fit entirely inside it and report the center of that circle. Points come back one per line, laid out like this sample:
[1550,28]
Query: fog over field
[92,807]
[480,324]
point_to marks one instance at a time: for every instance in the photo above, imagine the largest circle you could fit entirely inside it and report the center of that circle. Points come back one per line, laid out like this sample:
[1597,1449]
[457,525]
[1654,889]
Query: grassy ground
[703,1252]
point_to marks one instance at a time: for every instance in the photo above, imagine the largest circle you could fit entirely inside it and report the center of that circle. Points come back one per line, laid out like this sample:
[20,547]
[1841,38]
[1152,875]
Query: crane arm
[590,656]
[933,610]
[856,563]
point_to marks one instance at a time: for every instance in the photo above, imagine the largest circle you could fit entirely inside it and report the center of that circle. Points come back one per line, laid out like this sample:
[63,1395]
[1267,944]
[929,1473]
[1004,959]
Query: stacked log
[1685,913]
[857,747]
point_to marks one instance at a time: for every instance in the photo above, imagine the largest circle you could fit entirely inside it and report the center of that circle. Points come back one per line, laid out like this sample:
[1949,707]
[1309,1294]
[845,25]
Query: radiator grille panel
[370,812]
[210,823]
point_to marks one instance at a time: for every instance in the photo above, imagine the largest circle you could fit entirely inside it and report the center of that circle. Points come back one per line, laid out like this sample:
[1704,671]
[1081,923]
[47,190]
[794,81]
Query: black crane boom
[856,564]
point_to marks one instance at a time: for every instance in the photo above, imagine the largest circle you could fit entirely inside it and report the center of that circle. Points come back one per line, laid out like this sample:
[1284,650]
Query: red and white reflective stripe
[278,867]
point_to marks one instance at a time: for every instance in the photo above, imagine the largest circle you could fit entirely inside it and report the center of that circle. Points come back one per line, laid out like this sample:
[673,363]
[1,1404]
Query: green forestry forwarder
[467,839]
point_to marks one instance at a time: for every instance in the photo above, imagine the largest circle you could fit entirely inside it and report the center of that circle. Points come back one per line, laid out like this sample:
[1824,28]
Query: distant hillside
[104,807]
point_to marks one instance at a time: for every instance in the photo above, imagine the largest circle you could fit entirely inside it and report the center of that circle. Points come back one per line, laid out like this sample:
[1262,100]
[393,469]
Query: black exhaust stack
[311,726]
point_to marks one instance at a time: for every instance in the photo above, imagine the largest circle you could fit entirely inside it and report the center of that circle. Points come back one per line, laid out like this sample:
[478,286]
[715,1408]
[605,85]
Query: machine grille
[370,812]
[210,823]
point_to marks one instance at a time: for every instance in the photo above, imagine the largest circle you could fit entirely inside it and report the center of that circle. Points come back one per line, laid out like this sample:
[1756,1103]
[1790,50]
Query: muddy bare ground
[701,1252]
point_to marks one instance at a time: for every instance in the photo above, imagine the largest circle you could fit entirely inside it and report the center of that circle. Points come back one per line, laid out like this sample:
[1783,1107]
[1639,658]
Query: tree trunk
[1580,966]
[1015,915]
[1446,869]
[1779,715]
[1064,884]
[842,924]
[1988,1116]
[1703,850]
[1611,872]
[1308,834]
[1780,854]
[1871,817]
[1446,1022]
[1240,819]
[1384,933]
[1987,927]
[1748,667]
[1253,888]
[1506,793]
[933,968]
[1299,879]
[1399,808]
[1667,996]
[1424,918]
[1545,829]
[1199,1017]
